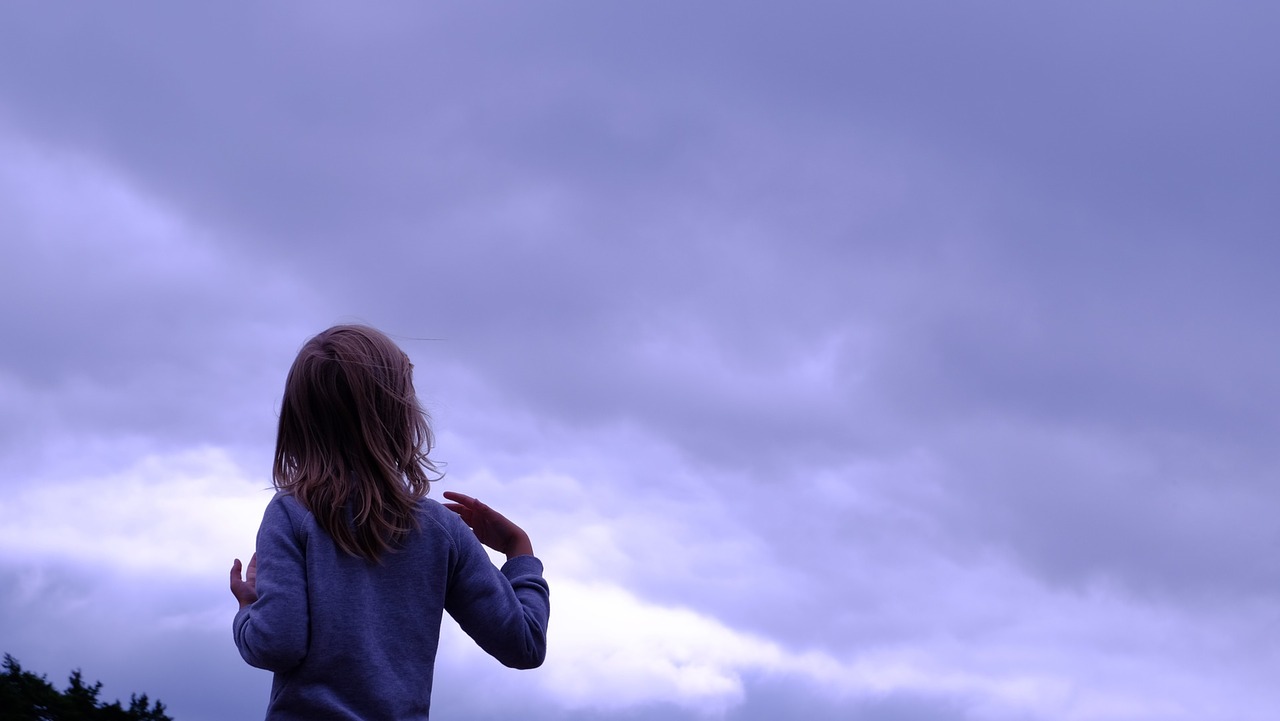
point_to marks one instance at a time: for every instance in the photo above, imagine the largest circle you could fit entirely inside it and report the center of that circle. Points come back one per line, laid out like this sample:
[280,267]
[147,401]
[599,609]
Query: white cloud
[612,650]
[922,620]
[181,514]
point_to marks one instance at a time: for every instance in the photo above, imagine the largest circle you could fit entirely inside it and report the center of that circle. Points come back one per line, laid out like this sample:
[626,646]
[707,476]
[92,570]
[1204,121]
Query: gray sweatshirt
[350,639]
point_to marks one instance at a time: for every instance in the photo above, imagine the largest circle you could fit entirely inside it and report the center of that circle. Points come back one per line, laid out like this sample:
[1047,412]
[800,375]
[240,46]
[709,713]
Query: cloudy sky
[881,361]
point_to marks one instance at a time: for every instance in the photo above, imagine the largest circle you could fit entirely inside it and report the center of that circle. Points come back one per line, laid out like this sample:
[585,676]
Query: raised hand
[492,528]
[245,590]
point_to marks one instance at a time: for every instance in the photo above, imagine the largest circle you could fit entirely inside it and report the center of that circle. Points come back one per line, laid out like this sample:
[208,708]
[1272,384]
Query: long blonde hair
[353,440]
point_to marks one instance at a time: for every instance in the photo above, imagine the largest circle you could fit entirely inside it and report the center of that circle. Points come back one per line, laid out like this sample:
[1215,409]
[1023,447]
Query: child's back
[355,637]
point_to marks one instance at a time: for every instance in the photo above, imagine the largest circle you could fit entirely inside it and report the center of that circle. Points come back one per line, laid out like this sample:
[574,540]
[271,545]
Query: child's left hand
[246,590]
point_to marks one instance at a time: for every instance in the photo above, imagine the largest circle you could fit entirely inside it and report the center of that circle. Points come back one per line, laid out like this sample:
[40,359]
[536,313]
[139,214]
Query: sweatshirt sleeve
[505,612]
[273,632]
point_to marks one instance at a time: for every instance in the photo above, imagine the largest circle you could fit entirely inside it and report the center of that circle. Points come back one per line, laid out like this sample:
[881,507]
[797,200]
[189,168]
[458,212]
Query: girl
[354,565]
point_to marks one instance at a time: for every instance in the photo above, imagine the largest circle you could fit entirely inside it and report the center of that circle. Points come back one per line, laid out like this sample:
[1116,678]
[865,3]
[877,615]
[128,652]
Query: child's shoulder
[434,513]
[286,504]
[431,508]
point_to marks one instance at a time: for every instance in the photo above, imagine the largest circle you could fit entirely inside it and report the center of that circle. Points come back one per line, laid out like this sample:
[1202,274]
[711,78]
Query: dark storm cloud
[121,324]
[563,148]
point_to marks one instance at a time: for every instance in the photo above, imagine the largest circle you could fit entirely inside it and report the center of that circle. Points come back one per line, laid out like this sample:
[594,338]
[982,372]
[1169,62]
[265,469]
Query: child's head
[353,440]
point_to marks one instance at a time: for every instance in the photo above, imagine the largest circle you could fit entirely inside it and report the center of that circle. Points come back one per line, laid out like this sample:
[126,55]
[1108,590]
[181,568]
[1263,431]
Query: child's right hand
[245,589]
[492,528]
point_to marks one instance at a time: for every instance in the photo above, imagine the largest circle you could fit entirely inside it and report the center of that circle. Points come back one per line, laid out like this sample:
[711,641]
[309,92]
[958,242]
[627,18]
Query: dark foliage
[25,696]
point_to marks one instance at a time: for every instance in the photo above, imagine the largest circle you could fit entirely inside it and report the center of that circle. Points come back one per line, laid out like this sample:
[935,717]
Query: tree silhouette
[25,696]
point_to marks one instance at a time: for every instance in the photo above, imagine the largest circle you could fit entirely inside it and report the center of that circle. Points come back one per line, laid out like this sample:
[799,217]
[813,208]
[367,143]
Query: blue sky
[876,361]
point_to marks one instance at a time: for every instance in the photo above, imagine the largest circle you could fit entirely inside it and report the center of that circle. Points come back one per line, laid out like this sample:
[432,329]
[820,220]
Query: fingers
[463,499]
[250,573]
[245,589]
[466,514]
[467,505]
